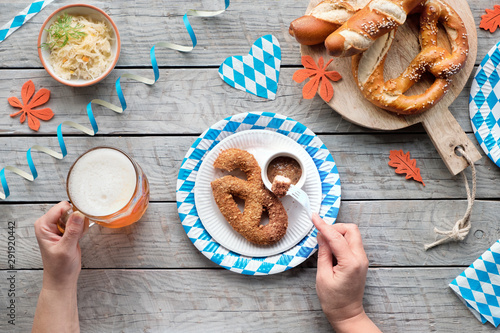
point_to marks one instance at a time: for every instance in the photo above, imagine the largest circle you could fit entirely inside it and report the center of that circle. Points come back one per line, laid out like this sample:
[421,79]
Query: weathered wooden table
[149,277]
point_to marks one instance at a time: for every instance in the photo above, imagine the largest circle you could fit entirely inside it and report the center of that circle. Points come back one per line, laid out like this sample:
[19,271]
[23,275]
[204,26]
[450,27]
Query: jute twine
[462,226]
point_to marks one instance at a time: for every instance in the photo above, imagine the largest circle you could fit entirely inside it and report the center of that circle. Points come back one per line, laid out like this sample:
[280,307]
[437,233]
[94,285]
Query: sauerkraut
[82,57]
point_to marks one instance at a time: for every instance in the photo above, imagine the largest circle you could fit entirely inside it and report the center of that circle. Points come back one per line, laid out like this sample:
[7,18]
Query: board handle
[446,135]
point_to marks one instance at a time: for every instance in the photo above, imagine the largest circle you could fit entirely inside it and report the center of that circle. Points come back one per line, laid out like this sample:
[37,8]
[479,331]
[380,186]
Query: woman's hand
[340,280]
[57,310]
[61,255]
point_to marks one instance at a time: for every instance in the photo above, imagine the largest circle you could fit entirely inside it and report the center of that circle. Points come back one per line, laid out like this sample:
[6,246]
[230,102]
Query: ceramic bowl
[297,157]
[85,10]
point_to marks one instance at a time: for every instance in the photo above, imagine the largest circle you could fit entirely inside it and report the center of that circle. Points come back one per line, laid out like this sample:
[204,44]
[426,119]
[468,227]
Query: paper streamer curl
[118,109]
[24,16]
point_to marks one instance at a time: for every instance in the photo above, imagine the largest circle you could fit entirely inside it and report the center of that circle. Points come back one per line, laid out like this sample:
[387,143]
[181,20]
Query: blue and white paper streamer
[21,18]
[33,174]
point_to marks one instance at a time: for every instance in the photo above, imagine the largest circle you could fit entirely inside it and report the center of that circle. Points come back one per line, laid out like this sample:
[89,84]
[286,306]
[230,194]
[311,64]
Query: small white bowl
[296,157]
[86,10]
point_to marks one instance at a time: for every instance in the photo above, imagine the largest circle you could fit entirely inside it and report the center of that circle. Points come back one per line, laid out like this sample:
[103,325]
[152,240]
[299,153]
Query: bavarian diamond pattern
[258,72]
[7,29]
[479,286]
[186,205]
[484,104]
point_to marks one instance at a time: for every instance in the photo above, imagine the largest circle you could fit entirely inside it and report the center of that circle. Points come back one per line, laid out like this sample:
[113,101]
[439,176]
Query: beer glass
[108,187]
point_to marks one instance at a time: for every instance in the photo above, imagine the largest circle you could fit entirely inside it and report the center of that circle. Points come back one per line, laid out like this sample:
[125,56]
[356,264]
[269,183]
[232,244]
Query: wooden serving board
[439,123]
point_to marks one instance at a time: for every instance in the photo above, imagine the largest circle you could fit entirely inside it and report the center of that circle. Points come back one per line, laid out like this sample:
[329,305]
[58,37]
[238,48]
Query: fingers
[75,228]
[348,230]
[336,241]
[352,235]
[48,222]
[55,212]
[325,258]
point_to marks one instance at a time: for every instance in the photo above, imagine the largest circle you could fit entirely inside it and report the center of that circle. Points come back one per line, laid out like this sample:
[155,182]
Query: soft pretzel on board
[371,30]
[368,67]
[439,123]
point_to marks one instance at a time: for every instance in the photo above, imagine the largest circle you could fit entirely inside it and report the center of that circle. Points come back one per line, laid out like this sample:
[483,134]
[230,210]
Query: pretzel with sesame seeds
[368,67]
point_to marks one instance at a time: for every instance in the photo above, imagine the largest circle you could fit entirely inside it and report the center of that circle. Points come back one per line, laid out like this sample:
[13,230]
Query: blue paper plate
[484,104]
[186,205]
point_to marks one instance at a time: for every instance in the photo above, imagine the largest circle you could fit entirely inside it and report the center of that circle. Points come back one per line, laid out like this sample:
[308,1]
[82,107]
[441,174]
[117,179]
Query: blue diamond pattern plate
[484,104]
[186,205]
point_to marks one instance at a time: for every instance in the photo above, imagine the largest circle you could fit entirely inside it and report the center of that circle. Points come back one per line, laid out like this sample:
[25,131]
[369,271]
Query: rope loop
[462,227]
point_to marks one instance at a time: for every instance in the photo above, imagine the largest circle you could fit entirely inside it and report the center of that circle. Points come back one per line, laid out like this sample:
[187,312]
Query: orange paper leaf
[15,102]
[326,90]
[491,20]
[302,74]
[40,98]
[404,165]
[319,77]
[33,123]
[42,114]
[27,91]
[310,88]
[308,62]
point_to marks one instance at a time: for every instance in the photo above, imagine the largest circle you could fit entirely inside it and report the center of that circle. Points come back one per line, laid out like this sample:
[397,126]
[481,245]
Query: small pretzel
[257,199]
[368,67]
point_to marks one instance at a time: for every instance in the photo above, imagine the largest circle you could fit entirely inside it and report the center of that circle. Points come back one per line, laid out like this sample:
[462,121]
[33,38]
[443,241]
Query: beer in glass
[108,187]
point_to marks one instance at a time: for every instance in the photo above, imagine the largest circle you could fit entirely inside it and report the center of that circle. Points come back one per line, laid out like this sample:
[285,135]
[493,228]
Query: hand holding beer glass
[108,187]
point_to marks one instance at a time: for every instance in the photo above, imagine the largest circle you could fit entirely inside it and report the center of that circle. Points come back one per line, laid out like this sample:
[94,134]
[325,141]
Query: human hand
[341,275]
[61,255]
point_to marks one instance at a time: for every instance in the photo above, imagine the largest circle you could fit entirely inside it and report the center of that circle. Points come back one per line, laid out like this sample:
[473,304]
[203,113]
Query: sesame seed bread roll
[324,18]
[360,31]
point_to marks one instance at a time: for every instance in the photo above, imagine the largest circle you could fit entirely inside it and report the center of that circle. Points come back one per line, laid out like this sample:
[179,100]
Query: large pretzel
[257,199]
[368,67]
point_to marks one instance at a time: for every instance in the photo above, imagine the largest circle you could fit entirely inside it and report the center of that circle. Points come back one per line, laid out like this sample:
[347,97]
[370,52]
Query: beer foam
[102,182]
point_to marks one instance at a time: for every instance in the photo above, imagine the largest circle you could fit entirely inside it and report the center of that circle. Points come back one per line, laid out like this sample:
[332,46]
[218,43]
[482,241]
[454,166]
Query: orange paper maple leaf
[319,78]
[404,165]
[491,20]
[41,97]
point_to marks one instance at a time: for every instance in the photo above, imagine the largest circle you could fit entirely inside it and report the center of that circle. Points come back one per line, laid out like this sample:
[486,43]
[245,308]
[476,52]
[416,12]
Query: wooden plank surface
[143,23]
[196,94]
[149,277]
[361,159]
[394,234]
[398,300]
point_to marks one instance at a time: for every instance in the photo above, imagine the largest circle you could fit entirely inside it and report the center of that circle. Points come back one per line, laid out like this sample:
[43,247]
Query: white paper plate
[261,144]
[190,166]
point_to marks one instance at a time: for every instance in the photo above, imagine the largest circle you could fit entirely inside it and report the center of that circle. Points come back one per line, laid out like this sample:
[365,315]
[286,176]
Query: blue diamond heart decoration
[258,72]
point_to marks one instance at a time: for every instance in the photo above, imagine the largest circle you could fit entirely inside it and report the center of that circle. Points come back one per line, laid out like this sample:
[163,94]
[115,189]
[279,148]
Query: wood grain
[409,300]
[443,129]
[196,94]
[142,23]
[361,159]
[394,233]
[149,277]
